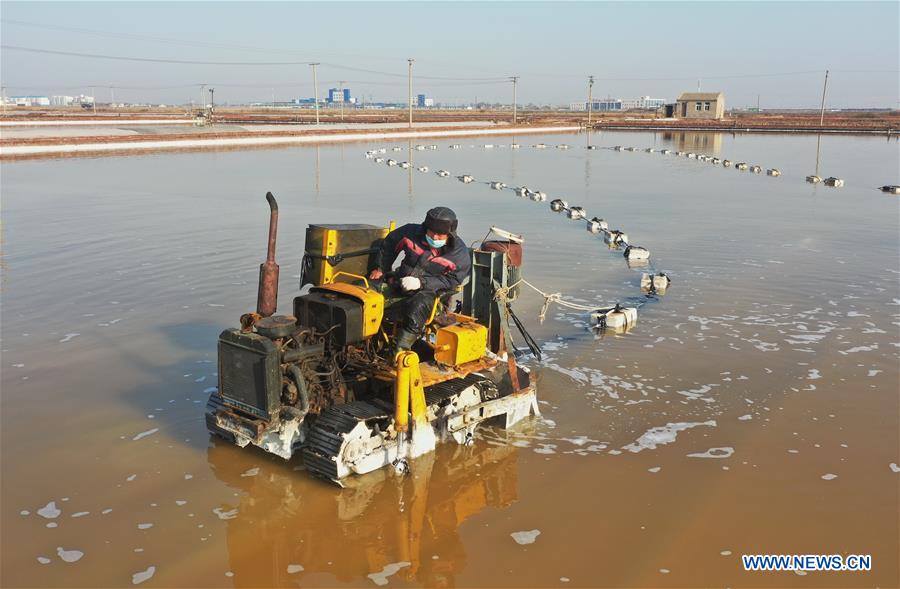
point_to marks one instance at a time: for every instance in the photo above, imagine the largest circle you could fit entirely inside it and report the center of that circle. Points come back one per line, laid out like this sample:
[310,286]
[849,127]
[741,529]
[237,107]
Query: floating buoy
[370,154]
[596,225]
[392,162]
[726,163]
[521,191]
[740,166]
[634,252]
[755,169]
[558,204]
[442,173]
[432,147]
[618,148]
[422,168]
[655,283]
[591,147]
[540,146]
[489,146]
[891,189]
[716,161]
[618,318]
[680,153]
[396,149]
[537,196]
[465,179]
[691,156]
[649,150]
[382,150]
[835,182]
[666,151]
[615,238]
[631,149]
[420,148]
[576,213]
[498,185]
[773,172]
[813,179]
[378,160]
[562,146]
[455,146]
[702,158]
[514,146]
[404,165]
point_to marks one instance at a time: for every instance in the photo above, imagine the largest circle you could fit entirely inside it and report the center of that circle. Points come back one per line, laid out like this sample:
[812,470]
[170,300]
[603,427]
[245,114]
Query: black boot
[404,341]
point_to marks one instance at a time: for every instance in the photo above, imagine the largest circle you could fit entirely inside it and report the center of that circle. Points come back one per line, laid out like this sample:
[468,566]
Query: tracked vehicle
[325,382]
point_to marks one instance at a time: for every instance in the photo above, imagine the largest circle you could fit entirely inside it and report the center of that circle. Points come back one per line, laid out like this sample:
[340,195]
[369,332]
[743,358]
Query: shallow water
[753,409]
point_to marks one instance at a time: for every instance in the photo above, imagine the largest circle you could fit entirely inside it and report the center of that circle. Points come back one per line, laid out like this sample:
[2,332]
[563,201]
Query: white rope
[556,297]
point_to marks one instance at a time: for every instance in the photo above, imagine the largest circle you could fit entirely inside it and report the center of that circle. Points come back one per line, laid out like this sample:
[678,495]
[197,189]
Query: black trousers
[416,309]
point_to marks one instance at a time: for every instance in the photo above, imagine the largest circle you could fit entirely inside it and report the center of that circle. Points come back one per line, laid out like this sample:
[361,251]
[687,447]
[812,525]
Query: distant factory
[620,104]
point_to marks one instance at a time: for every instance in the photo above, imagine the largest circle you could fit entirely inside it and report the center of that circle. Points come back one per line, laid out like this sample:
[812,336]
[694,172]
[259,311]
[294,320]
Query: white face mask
[435,242]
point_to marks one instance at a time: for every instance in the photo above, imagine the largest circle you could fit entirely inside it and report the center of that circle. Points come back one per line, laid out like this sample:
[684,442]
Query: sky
[774,52]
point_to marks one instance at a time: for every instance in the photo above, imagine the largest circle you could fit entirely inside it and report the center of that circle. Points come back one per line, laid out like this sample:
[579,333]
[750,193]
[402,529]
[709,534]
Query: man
[435,259]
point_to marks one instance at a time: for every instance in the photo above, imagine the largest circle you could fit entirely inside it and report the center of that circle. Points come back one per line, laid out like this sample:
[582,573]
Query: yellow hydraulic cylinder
[408,389]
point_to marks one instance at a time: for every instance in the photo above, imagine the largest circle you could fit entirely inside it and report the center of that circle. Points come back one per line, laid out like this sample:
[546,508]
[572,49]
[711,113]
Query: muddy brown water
[753,409]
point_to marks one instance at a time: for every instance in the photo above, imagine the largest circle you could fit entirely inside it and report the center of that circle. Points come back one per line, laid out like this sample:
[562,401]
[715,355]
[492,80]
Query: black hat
[441,220]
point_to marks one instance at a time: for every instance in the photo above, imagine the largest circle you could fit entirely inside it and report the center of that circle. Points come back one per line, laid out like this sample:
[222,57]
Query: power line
[151,59]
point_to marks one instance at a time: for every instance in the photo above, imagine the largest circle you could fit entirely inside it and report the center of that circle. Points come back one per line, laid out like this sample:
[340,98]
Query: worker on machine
[436,261]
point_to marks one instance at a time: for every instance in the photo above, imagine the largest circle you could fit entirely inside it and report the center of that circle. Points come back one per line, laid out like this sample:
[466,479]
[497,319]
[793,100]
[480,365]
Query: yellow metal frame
[409,393]
[329,247]
[357,276]
[372,302]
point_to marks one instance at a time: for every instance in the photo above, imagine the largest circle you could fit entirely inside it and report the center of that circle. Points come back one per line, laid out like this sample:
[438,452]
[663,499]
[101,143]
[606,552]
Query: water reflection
[709,143]
[285,518]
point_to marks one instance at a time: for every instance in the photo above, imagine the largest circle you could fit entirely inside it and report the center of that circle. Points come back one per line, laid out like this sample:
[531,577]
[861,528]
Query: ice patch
[293,569]
[380,578]
[829,477]
[894,467]
[131,477]
[665,434]
[873,372]
[188,477]
[655,469]
[49,511]
[714,453]
[225,514]
[81,514]
[52,525]
[859,349]
[69,555]
[138,578]
[251,472]
[210,390]
[527,537]
[180,502]
[141,435]
[725,553]
[43,560]
[69,337]
[813,374]
[105,511]
[747,417]
[664,571]
[145,526]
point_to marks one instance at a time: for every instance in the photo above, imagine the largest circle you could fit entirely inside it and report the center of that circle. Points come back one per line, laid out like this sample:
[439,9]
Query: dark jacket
[438,269]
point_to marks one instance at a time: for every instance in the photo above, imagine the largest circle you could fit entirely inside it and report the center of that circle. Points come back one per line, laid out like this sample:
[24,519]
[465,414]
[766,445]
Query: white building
[616,104]
[643,103]
[61,100]
[31,100]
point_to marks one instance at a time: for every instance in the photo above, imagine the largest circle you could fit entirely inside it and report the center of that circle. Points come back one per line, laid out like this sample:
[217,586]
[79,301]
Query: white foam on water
[873,372]
[829,477]
[664,434]
[24,512]
[69,337]
[747,417]
[141,435]
[145,526]
[655,469]
[793,451]
[49,511]
[546,449]
[564,579]
[210,390]
[52,525]
[724,452]
[229,574]
[43,560]
[894,467]
[188,477]
[813,374]
[226,514]
[725,553]
[859,349]
[105,511]
[293,569]
[526,537]
[81,514]
[69,555]
[180,502]
[18,366]
[380,578]
[138,578]
[131,477]
[664,571]
[252,472]
[201,379]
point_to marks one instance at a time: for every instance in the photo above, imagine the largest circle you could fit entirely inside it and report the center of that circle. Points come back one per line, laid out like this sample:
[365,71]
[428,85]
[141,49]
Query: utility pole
[410,60]
[824,89]
[212,101]
[590,98]
[316,91]
[515,81]
[94,99]
[202,96]
[341,82]
[273,98]
[757,104]
[112,96]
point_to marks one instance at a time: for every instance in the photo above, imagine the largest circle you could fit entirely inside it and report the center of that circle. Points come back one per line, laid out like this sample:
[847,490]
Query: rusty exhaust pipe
[267,299]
